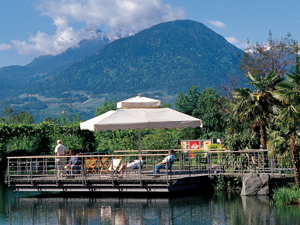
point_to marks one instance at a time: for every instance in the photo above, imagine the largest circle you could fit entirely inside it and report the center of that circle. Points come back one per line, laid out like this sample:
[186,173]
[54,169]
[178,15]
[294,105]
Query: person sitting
[132,165]
[166,162]
[74,163]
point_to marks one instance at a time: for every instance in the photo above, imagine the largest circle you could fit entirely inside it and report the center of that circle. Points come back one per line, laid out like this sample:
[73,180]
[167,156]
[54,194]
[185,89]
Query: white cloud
[217,24]
[5,47]
[232,40]
[120,17]
[236,42]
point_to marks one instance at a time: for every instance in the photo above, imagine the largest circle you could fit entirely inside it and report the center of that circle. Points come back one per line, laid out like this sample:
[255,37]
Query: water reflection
[218,208]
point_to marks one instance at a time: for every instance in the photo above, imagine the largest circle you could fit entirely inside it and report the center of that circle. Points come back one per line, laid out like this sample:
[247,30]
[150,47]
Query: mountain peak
[170,57]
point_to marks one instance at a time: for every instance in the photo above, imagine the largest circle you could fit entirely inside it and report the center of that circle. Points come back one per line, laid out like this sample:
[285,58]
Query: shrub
[287,195]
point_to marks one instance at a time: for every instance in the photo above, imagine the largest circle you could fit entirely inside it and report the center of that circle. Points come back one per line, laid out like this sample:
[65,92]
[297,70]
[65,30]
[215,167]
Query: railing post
[140,171]
[8,173]
[222,168]
[18,166]
[31,172]
[190,165]
[281,164]
[208,162]
[272,166]
[241,162]
[248,167]
[198,160]
[112,171]
[83,170]
[180,162]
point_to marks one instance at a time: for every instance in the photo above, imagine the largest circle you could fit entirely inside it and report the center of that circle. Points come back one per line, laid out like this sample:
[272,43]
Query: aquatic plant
[287,195]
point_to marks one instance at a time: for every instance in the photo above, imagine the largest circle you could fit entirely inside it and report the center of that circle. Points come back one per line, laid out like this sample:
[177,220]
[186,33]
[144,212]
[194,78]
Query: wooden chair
[90,164]
[103,163]
[100,164]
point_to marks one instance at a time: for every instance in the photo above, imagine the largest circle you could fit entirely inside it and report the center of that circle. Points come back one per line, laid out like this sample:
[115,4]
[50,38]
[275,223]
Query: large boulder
[255,184]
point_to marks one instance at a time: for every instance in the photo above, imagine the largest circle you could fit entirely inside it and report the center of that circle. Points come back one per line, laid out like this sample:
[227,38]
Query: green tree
[257,107]
[289,93]
[160,139]
[8,116]
[111,105]
[204,105]
[69,116]
[273,55]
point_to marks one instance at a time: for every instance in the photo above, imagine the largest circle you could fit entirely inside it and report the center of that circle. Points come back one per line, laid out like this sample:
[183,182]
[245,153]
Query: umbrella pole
[139,140]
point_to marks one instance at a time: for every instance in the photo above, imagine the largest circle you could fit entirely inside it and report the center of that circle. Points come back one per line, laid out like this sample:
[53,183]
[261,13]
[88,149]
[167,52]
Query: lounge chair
[113,165]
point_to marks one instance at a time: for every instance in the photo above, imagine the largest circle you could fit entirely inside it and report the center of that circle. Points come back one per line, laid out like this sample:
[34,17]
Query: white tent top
[140,118]
[139,102]
[140,113]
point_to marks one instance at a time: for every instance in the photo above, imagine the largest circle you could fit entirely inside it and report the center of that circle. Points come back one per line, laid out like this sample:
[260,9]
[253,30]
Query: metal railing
[187,163]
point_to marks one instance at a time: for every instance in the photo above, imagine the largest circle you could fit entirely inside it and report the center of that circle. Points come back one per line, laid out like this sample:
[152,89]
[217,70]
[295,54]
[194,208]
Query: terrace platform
[188,173]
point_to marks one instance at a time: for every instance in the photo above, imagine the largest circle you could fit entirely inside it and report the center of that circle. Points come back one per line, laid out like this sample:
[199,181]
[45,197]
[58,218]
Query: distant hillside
[14,78]
[170,56]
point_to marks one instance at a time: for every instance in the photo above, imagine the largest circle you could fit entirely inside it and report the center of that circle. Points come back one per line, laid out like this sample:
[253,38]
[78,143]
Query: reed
[289,195]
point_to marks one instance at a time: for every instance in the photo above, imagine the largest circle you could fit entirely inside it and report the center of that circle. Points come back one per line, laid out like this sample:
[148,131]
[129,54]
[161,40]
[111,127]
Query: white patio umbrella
[139,113]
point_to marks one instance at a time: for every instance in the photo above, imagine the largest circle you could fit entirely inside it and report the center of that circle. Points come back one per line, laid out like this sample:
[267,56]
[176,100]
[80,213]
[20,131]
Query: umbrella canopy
[139,102]
[140,118]
[139,113]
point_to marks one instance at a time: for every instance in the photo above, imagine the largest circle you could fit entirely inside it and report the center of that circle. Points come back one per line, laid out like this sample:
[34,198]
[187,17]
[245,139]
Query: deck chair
[90,164]
[113,165]
[100,164]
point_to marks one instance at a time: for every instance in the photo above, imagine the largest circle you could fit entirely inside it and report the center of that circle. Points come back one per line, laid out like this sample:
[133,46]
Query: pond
[202,208]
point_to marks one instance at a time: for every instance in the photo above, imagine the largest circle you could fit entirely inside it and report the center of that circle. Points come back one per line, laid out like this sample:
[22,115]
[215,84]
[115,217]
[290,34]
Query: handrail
[118,155]
[186,164]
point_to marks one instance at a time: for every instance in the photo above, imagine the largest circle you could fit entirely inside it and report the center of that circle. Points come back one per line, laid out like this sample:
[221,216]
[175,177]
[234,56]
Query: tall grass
[287,195]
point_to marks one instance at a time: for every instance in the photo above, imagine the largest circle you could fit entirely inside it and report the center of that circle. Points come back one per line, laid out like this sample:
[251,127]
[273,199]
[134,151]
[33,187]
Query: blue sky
[30,28]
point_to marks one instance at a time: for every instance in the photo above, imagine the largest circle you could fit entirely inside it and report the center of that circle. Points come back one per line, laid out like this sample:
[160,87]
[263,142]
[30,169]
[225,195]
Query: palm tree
[289,93]
[257,107]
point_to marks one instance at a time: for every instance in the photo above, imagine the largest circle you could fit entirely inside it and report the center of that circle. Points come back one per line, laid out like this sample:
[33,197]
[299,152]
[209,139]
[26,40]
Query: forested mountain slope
[14,78]
[170,56]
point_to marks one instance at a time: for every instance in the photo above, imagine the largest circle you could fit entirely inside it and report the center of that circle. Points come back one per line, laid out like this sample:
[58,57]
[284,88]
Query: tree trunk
[263,138]
[295,158]
[256,134]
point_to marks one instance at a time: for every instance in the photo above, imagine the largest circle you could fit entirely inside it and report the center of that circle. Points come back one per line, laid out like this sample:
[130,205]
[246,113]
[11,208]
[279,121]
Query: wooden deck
[131,182]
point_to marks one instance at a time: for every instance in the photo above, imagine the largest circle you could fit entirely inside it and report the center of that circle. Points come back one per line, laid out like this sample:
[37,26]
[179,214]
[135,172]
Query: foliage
[278,139]
[214,146]
[43,136]
[287,195]
[275,55]
[239,141]
[161,139]
[221,183]
[116,140]
[289,93]
[69,116]
[258,106]
[8,116]
[111,105]
[205,106]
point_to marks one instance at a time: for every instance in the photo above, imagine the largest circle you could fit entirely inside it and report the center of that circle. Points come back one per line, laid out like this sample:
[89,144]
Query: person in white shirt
[132,165]
[167,162]
[60,150]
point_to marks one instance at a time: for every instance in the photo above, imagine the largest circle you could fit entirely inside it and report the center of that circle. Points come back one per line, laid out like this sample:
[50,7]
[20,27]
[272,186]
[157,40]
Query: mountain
[14,78]
[170,57]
